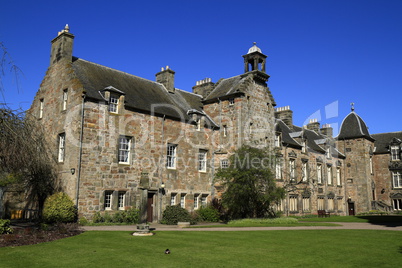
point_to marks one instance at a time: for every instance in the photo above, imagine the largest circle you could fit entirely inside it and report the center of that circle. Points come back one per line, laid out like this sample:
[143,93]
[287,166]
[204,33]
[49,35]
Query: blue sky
[322,54]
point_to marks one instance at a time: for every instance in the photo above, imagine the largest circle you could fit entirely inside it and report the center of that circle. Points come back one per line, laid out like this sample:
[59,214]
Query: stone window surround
[202,160]
[61,147]
[124,150]
[171,156]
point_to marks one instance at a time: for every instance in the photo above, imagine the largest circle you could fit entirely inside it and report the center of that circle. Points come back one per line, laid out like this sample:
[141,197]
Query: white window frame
[183,200]
[319,173]
[278,169]
[397,204]
[303,143]
[292,169]
[305,171]
[108,200]
[196,200]
[64,101]
[204,201]
[173,199]
[277,140]
[328,152]
[62,147]
[329,175]
[225,131]
[395,153]
[114,104]
[124,153]
[338,176]
[397,179]
[171,157]
[121,200]
[202,160]
[41,107]
[198,123]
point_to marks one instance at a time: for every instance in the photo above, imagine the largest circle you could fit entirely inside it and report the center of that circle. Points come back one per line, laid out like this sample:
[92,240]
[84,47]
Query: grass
[367,219]
[302,248]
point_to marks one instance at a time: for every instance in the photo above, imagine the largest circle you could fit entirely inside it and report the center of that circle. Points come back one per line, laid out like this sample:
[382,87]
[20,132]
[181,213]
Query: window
[329,175]
[397,204]
[338,176]
[224,163]
[250,128]
[277,140]
[371,165]
[320,203]
[108,200]
[196,200]
[198,123]
[304,172]
[306,204]
[395,153]
[319,173]
[204,200]
[292,170]
[41,106]
[173,199]
[171,156]
[62,145]
[303,146]
[124,149]
[328,152]
[279,206]
[293,203]
[113,104]
[339,204]
[122,199]
[64,100]
[231,101]
[202,160]
[331,203]
[225,131]
[278,169]
[397,178]
[183,200]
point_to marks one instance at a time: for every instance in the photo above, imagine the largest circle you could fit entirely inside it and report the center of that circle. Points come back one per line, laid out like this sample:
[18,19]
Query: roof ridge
[192,93]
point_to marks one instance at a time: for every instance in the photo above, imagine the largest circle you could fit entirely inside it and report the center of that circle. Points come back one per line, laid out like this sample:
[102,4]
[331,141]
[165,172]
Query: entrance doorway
[351,208]
[150,207]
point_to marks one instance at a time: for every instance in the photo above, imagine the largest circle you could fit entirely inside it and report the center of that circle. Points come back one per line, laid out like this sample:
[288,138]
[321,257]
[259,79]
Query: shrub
[5,227]
[208,214]
[97,218]
[245,222]
[132,216]
[173,214]
[59,208]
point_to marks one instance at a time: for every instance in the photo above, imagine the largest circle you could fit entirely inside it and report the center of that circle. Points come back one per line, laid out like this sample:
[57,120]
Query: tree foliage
[59,208]
[24,155]
[249,186]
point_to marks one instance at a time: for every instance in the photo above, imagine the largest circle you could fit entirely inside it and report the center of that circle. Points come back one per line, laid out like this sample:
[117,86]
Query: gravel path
[161,227]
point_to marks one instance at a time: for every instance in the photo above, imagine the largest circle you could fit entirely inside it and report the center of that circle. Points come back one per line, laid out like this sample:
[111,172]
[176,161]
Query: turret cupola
[254,60]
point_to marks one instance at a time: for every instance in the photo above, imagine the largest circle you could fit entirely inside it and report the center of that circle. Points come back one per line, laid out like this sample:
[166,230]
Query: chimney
[314,125]
[285,114]
[166,78]
[327,130]
[203,87]
[62,46]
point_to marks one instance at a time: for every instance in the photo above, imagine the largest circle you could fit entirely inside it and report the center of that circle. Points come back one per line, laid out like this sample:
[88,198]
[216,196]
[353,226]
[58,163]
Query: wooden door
[351,208]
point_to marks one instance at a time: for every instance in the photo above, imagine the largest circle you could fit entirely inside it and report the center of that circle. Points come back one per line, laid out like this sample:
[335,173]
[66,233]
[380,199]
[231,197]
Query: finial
[353,106]
[66,28]
[254,43]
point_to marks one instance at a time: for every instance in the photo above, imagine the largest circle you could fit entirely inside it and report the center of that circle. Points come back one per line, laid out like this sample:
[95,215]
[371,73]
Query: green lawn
[302,248]
[369,219]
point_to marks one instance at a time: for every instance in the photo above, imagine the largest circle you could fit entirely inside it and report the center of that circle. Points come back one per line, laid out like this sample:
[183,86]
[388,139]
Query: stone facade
[145,144]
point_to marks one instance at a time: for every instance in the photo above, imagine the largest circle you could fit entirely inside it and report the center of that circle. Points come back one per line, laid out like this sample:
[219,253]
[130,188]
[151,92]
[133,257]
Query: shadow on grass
[385,220]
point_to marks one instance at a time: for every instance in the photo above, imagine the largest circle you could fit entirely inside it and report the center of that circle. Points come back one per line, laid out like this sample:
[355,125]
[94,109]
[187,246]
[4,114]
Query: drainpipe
[80,152]
[160,170]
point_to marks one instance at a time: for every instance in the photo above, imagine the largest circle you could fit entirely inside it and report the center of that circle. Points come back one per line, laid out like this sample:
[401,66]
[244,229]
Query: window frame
[319,173]
[338,176]
[329,175]
[114,104]
[61,148]
[395,153]
[224,163]
[183,200]
[41,107]
[171,156]
[173,197]
[202,160]
[121,197]
[397,179]
[305,171]
[108,200]
[124,154]
[196,201]
[64,100]
[292,170]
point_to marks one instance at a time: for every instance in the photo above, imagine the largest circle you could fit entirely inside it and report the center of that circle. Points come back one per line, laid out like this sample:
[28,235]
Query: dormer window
[113,103]
[278,140]
[328,152]
[303,143]
[395,153]
[231,101]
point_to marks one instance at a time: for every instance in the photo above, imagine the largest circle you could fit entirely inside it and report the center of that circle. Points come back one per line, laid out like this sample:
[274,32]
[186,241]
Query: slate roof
[140,94]
[352,127]
[281,127]
[382,141]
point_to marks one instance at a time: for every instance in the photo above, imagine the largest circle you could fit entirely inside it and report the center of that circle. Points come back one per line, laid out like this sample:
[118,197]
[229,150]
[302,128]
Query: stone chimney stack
[285,114]
[166,78]
[327,130]
[203,87]
[314,125]
[62,46]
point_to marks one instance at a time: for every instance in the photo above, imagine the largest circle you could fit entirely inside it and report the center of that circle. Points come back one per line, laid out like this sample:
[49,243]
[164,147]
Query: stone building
[147,144]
